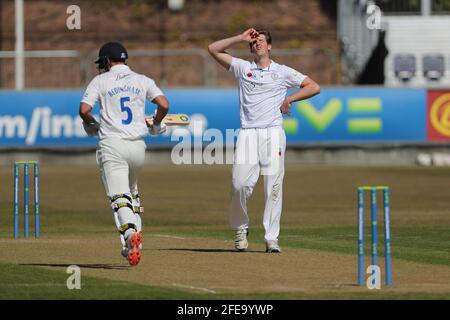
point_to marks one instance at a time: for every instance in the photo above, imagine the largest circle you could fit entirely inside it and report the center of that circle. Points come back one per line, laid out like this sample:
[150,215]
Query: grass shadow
[340,285]
[81,265]
[210,250]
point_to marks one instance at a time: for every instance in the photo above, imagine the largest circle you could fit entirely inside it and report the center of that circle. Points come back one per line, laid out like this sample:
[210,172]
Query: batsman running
[261,142]
[122,94]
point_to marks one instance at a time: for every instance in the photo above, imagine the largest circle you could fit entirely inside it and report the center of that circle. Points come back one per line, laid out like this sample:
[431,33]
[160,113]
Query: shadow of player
[208,250]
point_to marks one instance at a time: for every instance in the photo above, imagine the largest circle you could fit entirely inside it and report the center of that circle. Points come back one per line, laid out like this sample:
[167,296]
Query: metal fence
[414,7]
[45,69]
[440,7]
[189,67]
[400,6]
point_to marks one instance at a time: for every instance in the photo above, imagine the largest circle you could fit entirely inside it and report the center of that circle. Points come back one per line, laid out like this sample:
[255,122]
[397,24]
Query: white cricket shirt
[122,94]
[262,91]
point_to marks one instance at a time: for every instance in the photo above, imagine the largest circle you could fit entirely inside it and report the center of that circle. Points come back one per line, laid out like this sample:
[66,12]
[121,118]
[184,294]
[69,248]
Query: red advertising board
[438,115]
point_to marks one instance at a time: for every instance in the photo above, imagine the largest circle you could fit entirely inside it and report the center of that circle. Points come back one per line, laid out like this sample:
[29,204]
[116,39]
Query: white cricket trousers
[258,151]
[120,163]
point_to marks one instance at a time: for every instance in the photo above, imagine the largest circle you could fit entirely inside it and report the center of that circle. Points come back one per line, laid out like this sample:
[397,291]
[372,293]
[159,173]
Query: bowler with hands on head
[122,94]
[263,98]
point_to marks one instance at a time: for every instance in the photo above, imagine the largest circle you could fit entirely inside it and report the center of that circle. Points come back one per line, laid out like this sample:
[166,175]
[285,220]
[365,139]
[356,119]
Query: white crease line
[166,236]
[195,288]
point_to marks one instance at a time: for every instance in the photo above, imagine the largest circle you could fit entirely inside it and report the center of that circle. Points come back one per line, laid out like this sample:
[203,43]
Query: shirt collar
[254,66]
[119,68]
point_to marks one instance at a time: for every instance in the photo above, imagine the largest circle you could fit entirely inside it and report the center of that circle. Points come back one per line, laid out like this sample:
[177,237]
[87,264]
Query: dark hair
[266,34]
[117,60]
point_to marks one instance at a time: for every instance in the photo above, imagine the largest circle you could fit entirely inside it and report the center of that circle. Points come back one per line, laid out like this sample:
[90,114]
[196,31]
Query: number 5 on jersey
[127,109]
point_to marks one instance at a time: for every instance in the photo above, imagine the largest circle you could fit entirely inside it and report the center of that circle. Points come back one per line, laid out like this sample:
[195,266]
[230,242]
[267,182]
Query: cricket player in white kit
[122,94]
[261,142]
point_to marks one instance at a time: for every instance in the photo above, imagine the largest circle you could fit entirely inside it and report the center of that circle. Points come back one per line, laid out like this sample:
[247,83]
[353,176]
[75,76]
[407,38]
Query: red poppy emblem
[249,74]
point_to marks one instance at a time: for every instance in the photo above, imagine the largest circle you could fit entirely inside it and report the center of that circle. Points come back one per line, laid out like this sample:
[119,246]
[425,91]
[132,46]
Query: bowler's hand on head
[249,35]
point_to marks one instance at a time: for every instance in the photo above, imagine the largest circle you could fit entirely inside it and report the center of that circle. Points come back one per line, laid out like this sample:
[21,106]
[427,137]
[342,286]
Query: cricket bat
[178,119]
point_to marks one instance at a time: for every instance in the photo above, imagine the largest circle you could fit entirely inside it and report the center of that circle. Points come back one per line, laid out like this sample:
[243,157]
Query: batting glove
[91,128]
[157,128]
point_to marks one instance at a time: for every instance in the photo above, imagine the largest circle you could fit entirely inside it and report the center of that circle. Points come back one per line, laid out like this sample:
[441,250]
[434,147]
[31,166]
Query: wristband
[156,122]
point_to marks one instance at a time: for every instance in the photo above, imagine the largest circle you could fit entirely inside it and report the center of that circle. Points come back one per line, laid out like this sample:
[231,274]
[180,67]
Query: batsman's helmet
[113,51]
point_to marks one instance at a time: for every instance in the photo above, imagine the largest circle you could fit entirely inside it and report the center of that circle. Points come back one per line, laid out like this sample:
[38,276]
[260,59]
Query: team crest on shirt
[274,76]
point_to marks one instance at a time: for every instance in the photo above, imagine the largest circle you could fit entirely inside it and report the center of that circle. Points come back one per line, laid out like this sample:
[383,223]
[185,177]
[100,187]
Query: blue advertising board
[338,115]
[359,115]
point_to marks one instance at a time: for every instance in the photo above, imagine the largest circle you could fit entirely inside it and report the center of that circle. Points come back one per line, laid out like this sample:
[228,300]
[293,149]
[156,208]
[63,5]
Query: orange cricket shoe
[134,254]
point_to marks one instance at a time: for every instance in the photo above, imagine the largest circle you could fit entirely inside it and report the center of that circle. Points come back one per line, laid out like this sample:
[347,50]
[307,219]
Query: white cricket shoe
[124,252]
[272,246]
[240,239]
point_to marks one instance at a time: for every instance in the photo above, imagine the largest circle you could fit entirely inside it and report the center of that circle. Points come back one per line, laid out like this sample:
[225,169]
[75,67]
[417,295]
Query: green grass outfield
[25,282]
[425,245]
[319,216]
